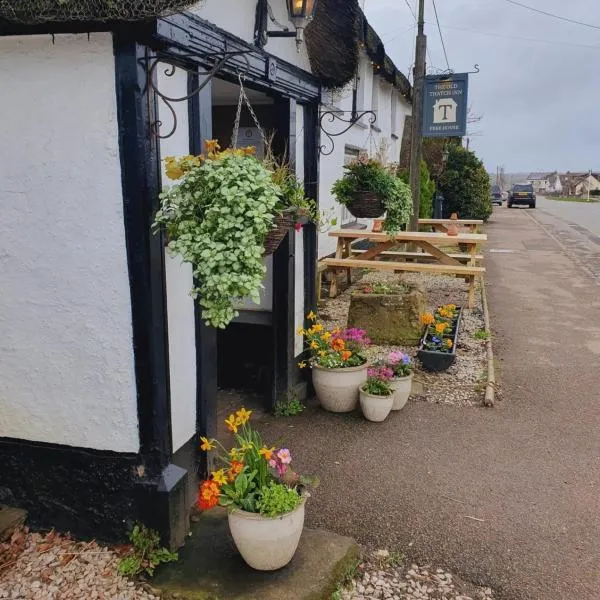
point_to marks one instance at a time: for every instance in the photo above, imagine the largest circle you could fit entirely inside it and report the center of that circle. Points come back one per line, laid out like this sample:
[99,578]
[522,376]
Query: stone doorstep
[210,568]
[10,519]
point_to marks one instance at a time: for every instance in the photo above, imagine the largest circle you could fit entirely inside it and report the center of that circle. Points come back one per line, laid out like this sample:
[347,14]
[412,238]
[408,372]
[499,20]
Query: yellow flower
[243,415]
[211,146]
[311,316]
[314,345]
[246,446]
[206,444]
[322,353]
[267,452]
[449,343]
[325,337]
[440,327]
[235,453]
[427,319]
[317,327]
[232,423]
[300,331]
[301,364]
[219,476]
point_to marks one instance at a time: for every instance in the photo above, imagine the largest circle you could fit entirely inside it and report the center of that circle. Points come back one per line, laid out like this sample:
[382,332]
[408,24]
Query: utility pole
[417,117]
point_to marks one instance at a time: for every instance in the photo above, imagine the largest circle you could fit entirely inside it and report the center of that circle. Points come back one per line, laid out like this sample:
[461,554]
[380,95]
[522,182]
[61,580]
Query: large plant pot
[281,226]
[402,387]
[366,205]
[375,408]
[435,361]
[337,389]
[267,543]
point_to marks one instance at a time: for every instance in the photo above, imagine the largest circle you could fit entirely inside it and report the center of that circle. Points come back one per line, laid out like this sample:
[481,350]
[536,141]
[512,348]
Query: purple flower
[435,340]
[406,360]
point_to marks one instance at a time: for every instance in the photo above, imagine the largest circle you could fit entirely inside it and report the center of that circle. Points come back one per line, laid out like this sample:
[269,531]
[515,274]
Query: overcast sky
[540,101]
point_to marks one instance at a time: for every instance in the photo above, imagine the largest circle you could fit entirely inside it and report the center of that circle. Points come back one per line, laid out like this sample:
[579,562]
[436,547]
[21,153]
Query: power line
[416,21]
[411,10]
[441,36]
[522,39]
[549,14]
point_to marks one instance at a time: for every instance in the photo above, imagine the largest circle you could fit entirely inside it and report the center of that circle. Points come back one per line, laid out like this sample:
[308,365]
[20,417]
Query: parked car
[496,195]
[521,193]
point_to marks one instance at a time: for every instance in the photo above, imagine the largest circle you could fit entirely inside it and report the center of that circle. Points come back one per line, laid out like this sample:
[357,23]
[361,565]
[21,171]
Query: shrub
[427,187]
[465,185]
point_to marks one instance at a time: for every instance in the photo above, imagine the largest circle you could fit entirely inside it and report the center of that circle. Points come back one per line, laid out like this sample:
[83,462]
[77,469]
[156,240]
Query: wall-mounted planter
[433,360]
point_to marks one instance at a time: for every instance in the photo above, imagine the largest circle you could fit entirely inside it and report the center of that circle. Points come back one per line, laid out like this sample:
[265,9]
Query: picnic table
[441,225]
[444,262]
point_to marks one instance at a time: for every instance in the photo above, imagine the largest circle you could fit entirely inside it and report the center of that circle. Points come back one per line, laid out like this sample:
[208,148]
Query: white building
[108,376]
[539,181]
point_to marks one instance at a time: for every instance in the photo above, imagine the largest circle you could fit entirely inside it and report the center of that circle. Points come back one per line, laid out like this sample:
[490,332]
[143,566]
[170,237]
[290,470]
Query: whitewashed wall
[361,136]
[300,283]
[237,17]
[179,279]
[67,365]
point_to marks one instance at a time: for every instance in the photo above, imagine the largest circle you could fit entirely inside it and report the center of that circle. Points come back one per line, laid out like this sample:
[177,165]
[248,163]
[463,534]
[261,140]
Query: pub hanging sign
[445,105]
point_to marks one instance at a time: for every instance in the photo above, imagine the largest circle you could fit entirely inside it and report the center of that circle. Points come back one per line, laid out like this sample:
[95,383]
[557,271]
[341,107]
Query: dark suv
[521,193]
[496,195]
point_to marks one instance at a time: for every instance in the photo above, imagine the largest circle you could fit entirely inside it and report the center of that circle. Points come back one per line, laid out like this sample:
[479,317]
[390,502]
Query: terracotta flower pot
[375,408]
[402,387]
[337,389]
[267,543]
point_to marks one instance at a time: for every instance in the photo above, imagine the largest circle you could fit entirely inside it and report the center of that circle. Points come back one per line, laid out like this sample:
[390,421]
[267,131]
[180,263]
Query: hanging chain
[243,99]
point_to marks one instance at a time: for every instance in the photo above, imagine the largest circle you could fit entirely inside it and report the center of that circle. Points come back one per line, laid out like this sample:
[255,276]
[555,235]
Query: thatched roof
[335,62]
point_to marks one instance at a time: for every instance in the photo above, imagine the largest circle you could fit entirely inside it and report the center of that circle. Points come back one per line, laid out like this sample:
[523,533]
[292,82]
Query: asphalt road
[509,496]
[581,213]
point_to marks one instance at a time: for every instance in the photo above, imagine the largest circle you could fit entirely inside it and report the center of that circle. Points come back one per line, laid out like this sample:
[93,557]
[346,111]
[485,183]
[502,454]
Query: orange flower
[441,327]
[338,344]
[427,319]
[346,354]
[208,495]
[449,343]
[211,146]
[235,469]
[267,452]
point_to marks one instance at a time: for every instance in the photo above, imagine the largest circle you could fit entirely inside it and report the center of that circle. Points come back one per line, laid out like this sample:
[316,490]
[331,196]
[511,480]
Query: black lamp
[300,13]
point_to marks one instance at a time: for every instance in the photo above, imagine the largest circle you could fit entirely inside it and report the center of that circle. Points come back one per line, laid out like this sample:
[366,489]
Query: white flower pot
[402,387]
[337,389]
[267,543]
[375,408]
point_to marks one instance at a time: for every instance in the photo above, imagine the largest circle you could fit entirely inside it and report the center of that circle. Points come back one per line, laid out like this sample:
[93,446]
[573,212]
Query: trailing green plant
[147,553]
[217,219]
[369,174]
[277,499]
[288,406]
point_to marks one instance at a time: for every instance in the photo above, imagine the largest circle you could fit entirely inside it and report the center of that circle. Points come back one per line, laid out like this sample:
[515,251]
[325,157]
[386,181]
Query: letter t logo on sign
[444,111]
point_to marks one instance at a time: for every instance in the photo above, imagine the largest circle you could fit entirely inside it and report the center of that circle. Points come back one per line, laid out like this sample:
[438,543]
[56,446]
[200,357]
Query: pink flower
[284,456]
[395,357]
[298,226]
[273,463]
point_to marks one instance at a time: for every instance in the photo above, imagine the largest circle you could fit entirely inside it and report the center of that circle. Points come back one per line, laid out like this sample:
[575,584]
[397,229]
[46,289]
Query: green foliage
[288,406]
[217,219]
[481,334]
[242,492]
[465,185]
[369,175]
[427,188]
[147,553]
[377,387]
[277,499]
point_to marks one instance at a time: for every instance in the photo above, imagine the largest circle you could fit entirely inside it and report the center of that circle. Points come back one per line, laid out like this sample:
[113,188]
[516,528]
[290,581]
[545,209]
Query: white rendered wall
[237,17]
[300,283]
[360,136]
[179,280]
[67,365]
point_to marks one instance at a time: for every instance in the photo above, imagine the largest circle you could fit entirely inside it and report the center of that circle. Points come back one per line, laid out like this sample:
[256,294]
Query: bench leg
[319,285]
[333,287]
[471,303]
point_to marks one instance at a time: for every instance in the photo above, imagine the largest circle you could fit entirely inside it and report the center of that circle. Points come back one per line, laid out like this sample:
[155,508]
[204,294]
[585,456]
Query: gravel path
[54,567]
[461,385]
[380,578]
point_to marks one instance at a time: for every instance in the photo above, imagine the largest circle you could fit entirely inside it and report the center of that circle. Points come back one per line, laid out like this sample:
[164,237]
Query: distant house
[539,181]
[578,184]
[554,184]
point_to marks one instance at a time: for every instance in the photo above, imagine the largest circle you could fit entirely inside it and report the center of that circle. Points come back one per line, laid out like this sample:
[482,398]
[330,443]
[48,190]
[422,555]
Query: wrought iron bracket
[337,115]
[151,64]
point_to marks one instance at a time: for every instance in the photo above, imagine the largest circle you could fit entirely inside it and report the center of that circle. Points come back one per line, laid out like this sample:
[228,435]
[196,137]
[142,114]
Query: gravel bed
[55,567]
[463,384]
[380,578]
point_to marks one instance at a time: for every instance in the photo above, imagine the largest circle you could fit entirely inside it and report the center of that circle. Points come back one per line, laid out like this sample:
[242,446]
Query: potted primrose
[402,376]
[338,364]
[265,497]
[376,394]
[437,350]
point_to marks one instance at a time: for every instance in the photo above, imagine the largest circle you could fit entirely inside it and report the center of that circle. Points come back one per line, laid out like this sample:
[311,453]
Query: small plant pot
[433,360]
[375,408]
[402,387]
[267,543]
[366,205]
[337,389]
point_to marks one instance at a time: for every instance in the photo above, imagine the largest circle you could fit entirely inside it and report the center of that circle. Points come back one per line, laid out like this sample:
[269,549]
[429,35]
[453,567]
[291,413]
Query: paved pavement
[508,496]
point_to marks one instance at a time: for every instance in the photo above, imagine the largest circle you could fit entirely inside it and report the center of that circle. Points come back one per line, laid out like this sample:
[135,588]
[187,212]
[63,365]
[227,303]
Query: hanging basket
[281,225]
[35,12]
[366,205]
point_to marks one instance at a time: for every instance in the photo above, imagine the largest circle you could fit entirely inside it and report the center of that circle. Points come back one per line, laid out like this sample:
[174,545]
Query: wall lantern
[300,13]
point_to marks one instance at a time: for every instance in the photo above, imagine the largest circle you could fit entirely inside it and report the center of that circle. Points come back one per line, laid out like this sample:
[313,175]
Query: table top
[410,236]
[449,221]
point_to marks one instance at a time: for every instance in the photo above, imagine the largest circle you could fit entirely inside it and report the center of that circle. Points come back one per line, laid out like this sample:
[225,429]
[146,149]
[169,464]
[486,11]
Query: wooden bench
[441,225]
[425,256]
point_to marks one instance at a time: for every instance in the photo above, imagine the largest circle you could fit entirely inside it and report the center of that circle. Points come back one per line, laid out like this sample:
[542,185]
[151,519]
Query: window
[394,113]
[350,154]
